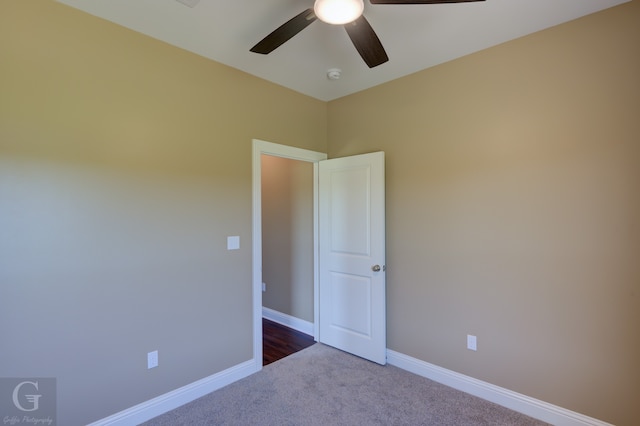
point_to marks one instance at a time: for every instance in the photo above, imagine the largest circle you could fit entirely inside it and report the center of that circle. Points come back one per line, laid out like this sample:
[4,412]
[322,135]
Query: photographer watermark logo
[28,401]
[33,399]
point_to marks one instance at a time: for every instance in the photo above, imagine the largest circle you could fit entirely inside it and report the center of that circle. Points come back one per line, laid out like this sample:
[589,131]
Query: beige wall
[287,236]
[124,165]
[513,211]
[513,208]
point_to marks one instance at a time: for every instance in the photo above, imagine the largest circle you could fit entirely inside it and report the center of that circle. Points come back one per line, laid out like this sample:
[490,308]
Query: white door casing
[352,255]
[267,148]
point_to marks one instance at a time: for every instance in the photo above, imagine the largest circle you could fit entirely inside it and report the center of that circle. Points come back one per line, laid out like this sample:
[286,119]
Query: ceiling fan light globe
[338,12]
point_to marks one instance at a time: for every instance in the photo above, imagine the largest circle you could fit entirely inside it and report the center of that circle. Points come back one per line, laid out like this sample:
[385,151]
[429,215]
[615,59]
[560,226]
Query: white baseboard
[171,400]
[301,325]
[531,407]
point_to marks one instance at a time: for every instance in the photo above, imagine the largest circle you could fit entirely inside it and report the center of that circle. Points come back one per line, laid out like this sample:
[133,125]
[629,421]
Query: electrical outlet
[472,342]
[152,359]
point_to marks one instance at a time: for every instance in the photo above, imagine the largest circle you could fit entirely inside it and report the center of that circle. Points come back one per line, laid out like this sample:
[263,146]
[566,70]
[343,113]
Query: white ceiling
[415,36]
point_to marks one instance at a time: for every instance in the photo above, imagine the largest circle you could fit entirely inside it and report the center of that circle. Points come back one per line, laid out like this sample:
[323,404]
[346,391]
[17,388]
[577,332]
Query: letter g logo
[31,398]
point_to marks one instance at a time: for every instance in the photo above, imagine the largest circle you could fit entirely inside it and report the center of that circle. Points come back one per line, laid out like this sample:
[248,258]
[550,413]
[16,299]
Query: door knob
[375,268]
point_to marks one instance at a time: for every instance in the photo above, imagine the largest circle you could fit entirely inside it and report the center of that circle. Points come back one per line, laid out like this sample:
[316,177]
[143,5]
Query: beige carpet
[321,385]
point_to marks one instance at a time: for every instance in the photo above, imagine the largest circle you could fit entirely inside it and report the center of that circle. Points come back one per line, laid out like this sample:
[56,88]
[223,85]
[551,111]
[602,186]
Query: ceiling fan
[340,12]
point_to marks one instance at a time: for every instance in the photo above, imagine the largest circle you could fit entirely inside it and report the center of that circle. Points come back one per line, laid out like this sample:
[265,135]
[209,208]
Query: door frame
[259,148]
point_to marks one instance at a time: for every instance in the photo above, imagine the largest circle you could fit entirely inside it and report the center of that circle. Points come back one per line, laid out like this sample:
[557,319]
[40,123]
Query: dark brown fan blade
[284,32]
[366,42]
[419,1]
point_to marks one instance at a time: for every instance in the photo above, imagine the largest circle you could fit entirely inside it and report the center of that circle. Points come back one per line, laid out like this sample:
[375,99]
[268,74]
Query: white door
[352,255]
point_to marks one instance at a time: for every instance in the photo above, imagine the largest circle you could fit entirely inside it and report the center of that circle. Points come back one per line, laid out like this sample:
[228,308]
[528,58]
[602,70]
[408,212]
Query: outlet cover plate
[472,342]
[152,359]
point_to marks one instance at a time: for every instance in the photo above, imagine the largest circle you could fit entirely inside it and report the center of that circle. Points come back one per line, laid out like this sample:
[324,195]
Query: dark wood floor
[279,341]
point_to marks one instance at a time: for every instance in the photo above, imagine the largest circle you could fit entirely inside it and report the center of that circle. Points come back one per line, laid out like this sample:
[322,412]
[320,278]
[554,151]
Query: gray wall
[287,236]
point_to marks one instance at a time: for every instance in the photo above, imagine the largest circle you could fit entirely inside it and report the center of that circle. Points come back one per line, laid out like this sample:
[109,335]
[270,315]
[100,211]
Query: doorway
[349,201]
[277,153]
[287,256]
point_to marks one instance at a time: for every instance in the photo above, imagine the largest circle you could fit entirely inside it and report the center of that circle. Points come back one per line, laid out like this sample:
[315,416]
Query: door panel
[349,212]
[352,241]
[351,307]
